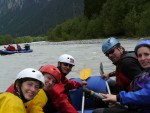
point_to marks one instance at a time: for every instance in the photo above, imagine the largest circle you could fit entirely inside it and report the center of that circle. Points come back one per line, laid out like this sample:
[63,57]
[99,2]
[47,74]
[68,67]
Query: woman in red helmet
[42,100]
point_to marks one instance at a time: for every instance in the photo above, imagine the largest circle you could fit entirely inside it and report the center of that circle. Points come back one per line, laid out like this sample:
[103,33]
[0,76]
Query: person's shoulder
[9,96]
[129,60]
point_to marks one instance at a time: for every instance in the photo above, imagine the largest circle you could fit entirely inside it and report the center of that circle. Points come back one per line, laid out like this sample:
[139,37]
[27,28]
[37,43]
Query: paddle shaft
[102,72]
[107,86]
[84,74]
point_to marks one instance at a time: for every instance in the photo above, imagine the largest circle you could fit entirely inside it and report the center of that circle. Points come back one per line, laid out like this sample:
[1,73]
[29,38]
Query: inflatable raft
[6,52]
[95,83]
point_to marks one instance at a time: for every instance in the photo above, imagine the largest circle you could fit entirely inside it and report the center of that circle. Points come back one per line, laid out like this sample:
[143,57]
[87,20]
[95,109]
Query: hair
[144,45]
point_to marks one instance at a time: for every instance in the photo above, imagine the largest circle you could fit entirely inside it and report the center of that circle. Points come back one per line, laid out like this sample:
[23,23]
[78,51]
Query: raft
[25,51]
[95,83]
[6,52]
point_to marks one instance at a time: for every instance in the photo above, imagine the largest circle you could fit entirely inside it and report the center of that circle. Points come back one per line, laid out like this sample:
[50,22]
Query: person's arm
[130,67]
[70,84]
[140,97]
[60,99]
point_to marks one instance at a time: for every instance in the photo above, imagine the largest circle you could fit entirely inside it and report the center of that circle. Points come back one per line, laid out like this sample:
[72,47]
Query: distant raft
[6,52]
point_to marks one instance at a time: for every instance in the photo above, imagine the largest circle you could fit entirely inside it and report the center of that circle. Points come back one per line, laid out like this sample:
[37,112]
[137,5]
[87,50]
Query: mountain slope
[35,17]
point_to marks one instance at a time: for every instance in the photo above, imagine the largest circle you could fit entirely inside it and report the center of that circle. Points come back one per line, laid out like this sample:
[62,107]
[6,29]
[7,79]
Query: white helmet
[67,59]
[31,73]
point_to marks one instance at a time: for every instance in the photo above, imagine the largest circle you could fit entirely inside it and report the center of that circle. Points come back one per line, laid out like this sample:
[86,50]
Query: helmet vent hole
[33,70]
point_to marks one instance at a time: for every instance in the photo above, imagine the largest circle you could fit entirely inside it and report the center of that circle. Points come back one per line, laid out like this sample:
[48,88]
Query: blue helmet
[109,43]
[142,43]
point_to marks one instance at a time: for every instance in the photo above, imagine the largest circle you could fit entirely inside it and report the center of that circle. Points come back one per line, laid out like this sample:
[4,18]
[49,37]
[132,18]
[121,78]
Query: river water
[87,54]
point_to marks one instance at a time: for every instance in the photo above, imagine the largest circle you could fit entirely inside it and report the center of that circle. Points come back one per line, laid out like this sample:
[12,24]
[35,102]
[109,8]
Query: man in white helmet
[59,93]
[65,64]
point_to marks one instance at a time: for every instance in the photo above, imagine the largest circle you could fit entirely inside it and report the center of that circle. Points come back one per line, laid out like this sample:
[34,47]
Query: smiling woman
[27,84]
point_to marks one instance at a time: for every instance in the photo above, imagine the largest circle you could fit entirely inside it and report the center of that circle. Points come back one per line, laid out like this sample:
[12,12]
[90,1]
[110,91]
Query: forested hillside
[102,18]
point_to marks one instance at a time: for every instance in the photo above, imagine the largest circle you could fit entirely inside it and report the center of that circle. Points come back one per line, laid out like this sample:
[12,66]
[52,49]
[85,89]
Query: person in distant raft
[10,47]
[18,47]
[27,47]
[127,65]
[26,86]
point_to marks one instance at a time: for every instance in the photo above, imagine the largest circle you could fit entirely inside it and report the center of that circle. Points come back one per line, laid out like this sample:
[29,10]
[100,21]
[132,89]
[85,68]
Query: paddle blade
[101,68]
[85,73]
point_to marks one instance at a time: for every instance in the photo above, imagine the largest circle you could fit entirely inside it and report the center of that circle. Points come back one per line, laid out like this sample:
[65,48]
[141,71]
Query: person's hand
[109,98]
[105,76]
[83,83]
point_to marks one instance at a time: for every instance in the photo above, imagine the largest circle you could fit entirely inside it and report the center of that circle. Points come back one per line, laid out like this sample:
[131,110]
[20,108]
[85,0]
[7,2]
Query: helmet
[31,73]
[67,59]
[51,70]
[109,43]
[142,43]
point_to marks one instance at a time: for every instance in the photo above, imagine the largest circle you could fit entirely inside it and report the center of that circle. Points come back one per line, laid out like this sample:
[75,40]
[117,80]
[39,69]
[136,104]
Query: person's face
[115,54]
[50,81]
[143,55]
[65,67]
[30,89]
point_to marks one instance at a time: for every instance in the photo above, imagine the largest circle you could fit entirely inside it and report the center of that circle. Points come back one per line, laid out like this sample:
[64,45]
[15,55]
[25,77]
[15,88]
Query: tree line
[102,18]
[8,39]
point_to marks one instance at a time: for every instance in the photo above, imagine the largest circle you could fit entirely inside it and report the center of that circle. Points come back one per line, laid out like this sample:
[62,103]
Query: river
[87,53]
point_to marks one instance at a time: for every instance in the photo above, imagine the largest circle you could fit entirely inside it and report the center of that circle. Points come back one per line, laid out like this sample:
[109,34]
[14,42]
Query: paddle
[84,74]
[102,72]
[107,86]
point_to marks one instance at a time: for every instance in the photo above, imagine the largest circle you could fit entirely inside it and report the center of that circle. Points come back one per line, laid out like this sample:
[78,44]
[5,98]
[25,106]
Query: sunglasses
[66,64]
[110,52]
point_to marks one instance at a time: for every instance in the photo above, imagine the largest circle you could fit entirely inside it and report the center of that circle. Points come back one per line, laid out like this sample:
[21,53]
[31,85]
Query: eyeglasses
[110,52]
[66,64]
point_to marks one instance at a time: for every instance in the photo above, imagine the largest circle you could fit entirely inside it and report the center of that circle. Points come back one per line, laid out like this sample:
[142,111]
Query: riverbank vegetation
[100,19]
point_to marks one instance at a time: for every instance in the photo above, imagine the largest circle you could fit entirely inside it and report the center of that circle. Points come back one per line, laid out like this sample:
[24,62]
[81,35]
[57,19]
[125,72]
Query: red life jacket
[121,79]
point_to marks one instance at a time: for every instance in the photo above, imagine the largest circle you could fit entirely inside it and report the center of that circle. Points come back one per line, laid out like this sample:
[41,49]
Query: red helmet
[52,70]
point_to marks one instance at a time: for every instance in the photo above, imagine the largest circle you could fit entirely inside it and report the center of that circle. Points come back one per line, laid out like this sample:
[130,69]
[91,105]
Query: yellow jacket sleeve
[10,103]
[37,103]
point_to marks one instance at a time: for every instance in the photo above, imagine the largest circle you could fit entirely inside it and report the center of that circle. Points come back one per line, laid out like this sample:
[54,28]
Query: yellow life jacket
[37,103]
[10,103]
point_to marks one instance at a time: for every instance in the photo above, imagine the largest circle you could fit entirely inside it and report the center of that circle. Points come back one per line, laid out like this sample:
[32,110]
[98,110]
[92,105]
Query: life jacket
[139,83]
[10,103]
[140,80]
[121,79]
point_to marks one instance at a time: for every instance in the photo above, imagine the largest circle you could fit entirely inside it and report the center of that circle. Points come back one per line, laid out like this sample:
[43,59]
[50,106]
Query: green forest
[100,19]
